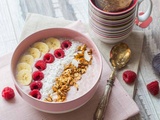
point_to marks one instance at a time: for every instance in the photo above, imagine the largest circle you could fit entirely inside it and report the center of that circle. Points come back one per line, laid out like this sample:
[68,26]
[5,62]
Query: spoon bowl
[119,56]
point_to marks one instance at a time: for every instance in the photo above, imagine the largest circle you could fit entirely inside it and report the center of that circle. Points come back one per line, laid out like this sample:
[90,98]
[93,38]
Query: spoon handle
[99,113]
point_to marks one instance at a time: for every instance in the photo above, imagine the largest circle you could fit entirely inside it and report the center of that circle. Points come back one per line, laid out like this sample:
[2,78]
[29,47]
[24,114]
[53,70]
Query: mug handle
[146,15]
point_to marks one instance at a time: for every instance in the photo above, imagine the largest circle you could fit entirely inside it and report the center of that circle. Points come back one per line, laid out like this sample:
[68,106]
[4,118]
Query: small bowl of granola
[56,70]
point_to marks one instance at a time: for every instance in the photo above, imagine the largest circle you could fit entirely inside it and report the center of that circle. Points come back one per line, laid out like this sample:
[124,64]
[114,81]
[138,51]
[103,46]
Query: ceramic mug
[102,22]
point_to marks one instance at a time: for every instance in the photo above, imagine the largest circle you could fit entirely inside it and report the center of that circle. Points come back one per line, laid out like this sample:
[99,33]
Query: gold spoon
[119,56]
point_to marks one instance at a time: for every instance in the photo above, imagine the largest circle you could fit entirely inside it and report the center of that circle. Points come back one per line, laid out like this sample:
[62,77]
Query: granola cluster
[71,74]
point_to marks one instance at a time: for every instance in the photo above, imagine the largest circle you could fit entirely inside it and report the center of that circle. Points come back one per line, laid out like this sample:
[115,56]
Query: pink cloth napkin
[120,107]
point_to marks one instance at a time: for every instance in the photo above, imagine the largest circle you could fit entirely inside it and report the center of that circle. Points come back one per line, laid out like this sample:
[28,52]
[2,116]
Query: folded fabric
[121,106]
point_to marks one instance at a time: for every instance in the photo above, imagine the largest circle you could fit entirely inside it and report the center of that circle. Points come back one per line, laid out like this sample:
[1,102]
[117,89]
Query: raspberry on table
[8,93]
[153,87]
[129,76]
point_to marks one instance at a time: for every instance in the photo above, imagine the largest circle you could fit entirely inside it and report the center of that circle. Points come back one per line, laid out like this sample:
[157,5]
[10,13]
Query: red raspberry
[35,93]
[129,76]
[59,53]
[66,44]
[40,65]
[36,85]
[8,93]
[48,58]
[153,87]
[37,75]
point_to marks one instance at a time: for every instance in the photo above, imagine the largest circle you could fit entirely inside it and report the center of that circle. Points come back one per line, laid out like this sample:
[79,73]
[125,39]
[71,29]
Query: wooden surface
[13,14]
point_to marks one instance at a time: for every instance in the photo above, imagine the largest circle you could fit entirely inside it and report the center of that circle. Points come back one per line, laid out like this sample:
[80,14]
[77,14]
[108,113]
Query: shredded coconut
[55,69]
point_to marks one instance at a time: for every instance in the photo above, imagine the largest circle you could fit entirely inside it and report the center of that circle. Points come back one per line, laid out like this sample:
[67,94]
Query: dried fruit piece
[8,93]
[40,65]
[153,87]
[59,53]
[129,76]
[36,85]
[48,58]
[66,44]
[37,75]
[35,93]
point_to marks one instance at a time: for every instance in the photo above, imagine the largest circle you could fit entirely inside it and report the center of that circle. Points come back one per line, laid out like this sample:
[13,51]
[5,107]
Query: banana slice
[41,46]
[27,58]
[34,52]
[24,66]
[53,43]
[24,77]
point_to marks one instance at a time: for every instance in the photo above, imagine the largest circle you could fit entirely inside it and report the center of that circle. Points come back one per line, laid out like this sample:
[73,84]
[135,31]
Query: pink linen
[121,105]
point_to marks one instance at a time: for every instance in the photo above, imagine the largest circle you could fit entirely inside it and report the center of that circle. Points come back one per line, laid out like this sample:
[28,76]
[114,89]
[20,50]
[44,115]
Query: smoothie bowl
[56,70]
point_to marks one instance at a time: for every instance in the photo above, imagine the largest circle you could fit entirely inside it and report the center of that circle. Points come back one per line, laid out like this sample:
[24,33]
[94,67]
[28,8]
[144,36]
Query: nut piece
[49,98]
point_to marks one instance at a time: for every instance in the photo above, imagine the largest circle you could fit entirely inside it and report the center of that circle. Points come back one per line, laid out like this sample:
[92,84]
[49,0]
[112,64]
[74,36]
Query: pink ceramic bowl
[87,88]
